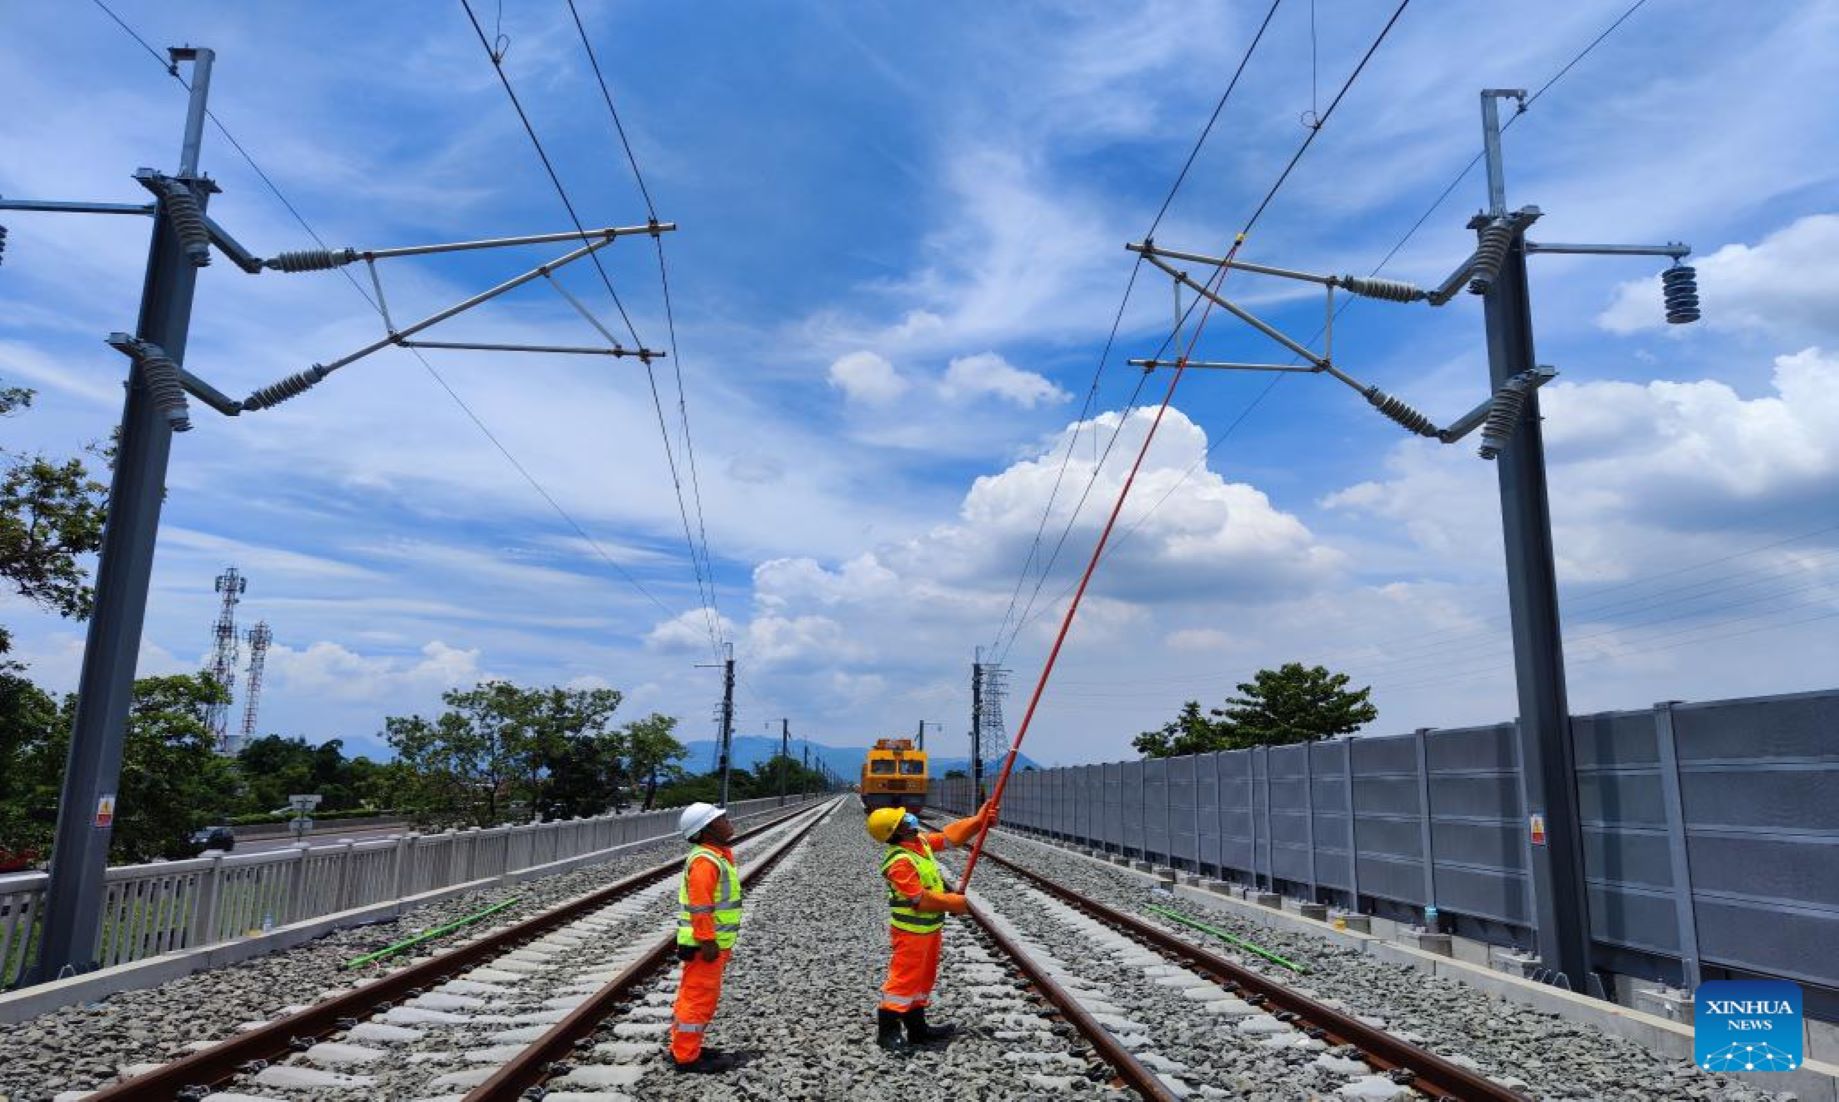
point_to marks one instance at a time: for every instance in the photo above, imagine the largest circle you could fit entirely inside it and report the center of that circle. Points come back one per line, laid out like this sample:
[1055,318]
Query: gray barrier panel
[1155,804]
[1710,830]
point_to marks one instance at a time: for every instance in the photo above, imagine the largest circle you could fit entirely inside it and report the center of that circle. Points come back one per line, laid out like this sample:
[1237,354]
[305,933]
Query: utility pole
[785,756]
[727,718]
[1548,761]
[977,730]
[724,717]
[158,386]
[86,809]
[1510,435]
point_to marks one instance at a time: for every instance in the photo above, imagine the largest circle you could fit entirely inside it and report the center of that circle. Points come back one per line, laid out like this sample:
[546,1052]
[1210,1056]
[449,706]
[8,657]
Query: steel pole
[1532,594]
[72,915]
[727,719]
[977,734]
[785,756]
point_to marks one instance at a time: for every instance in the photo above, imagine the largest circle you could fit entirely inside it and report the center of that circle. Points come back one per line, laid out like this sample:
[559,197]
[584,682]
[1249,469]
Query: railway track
[402,1006]
[1281,1016]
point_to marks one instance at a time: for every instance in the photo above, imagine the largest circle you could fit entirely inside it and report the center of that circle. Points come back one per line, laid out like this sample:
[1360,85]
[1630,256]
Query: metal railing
[170,905]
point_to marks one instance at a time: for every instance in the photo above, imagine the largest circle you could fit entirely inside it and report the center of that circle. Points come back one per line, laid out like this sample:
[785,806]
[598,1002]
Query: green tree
[652,751]
[707,788]
[28,722]
[449,775]
[273,768]
[1295,703]
[51,514]
[574,759]
[766,776]
[952,774]
[1191,732]
[172,780]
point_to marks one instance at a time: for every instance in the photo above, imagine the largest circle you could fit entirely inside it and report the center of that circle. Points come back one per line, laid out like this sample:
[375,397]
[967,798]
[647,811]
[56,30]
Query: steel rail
[547,1055]
[1131,1070]
[191,1076]
[1423,1070]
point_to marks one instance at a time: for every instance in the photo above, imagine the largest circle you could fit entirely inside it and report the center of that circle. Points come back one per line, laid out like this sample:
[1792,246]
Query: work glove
[963,830]
[947,902]
[708,951]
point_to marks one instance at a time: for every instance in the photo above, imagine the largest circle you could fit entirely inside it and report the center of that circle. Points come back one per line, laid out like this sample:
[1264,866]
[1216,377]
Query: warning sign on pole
[105,810]
[1538,830]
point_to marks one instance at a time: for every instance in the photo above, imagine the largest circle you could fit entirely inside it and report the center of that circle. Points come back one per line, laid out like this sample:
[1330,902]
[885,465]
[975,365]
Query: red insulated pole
[1072,609]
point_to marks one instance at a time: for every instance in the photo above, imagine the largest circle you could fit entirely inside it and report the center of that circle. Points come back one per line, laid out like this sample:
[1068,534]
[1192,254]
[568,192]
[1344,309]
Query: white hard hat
[696,816]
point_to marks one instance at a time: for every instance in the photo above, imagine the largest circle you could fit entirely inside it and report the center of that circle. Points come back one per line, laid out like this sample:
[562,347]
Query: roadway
[318,837]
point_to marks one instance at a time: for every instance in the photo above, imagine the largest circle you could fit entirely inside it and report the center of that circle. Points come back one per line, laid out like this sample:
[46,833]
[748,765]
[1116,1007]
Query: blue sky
[901,249]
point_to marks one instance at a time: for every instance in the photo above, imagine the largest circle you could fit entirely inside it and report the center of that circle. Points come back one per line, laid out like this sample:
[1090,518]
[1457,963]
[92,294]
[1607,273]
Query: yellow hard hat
[884,821]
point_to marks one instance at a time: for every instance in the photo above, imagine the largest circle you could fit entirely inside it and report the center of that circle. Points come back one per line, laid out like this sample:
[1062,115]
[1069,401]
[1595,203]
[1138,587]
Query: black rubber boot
[887,1030]
[919,1033]
[712,1061]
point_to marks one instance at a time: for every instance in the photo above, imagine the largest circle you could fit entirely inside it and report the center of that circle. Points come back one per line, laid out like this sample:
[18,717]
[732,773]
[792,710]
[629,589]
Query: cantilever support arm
[58,207]
[282,390]
[1319,363]
[1674,249]
[209,394]
[232,248]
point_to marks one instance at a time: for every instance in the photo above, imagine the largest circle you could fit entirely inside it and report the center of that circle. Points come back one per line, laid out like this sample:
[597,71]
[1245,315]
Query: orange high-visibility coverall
[914,967]
[699,989]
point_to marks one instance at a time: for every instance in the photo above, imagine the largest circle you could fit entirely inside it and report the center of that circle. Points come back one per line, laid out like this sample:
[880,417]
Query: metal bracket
[160,375]
[283,389]
[1674,249]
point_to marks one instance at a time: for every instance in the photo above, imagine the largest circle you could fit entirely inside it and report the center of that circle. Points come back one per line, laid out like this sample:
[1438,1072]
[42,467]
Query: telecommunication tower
[224,652]
[259,638]
[989,741]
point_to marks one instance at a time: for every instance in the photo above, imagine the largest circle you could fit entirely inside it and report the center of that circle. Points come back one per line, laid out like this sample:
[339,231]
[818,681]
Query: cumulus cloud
[685,633]
[814,640]
[987,373]
[1785,284]
[330,670]
[867,378]
[1689,456]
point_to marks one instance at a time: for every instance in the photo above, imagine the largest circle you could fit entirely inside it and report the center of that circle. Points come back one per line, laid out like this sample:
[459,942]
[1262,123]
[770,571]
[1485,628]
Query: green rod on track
[392,950]
[1177,916]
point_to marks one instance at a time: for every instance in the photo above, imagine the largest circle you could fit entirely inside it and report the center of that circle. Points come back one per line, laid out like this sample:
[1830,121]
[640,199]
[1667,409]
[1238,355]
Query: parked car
[215,837]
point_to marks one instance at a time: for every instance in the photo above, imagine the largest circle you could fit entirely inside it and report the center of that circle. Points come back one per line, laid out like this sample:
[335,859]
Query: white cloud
[865,377]
[1686,456]
[686,633]
[812,640]
[331,671]
[988,373]
[1785,285]
[1201,640]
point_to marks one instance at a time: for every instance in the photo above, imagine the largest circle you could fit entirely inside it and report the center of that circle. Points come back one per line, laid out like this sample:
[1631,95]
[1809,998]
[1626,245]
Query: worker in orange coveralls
[708,922]
[917,906]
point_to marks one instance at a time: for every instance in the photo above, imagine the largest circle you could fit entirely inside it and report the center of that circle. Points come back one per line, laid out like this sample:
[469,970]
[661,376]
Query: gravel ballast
[1539,1053]
[85,1046]
[799,999]
[799,1004]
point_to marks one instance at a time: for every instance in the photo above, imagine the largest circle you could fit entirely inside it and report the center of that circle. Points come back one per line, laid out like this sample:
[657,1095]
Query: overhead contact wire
[1181,364]
[997,646]
[281,197]
[1219,439]
[706,566]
